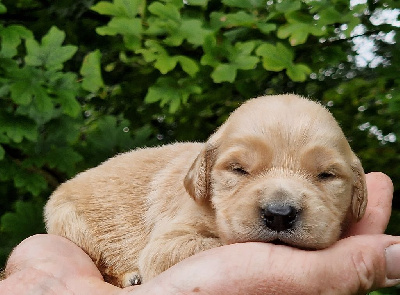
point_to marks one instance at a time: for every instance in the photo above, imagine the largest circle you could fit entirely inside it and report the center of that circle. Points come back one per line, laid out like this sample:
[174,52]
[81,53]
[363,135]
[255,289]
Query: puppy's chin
[280,242]
[289,238]
[293,244]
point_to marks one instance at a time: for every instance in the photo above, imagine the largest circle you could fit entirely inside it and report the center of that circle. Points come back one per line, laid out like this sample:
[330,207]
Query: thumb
[360,264]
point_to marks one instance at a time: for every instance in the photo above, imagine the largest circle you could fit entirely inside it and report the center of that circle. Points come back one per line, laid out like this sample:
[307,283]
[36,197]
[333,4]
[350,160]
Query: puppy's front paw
[131,279]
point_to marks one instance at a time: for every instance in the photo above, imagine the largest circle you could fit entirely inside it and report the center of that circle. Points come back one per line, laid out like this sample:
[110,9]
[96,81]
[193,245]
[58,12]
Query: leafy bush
[83,80]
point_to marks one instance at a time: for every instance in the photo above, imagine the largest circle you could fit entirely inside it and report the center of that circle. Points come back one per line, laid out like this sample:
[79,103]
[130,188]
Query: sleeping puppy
[278,170]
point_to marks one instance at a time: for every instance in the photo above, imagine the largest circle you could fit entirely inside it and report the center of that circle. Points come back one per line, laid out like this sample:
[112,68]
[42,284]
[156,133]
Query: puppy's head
[280,170]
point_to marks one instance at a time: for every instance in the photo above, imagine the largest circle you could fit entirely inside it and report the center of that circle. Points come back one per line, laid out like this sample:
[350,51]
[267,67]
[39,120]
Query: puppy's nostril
[279,217]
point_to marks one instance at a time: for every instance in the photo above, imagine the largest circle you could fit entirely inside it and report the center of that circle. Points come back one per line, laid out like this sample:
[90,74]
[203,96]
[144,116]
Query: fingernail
[393,262]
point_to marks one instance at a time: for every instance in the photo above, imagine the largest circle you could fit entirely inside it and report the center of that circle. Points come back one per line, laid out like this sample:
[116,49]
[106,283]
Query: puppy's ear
[197,180]
[360,198]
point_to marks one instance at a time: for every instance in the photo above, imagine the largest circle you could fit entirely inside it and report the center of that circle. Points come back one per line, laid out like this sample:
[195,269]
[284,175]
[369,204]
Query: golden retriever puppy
[278,170]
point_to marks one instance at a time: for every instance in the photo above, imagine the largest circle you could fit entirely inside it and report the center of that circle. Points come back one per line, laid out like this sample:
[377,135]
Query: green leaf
[172,92]
[119,8]
[4,90]
[122,26]
[50,53]
[130,29]
[298,28]
[188,65]
[65,87]
[177,3]
[21,92]
[351,25]
[63,131]
[248,4]
[4,138]
[329,15]
[17,127]
[197,2]
[2,153]
[211,50]
[162,91]
[246,62]
[63,159]
[165,63]
[394,103]
[11,38]
[266,28]
[91,71]
[239,57]
[242,58]
[106,8]
[34,57]
[240,18]
[288,6]
[71,106]
[30,182]
[42,100]
[32,111]
[298,32]
[298,72]
[193,31]
[27,220]
[152,50]
[27,90]
[224,73]
[104,135]
[275,58]
[142,136]
[165,11]
[3,9]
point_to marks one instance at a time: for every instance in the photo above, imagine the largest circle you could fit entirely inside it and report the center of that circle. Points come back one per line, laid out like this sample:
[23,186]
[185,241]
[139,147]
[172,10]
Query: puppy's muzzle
[279,217]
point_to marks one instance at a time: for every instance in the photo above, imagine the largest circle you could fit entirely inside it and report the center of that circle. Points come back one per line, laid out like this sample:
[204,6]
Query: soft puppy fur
[278,170]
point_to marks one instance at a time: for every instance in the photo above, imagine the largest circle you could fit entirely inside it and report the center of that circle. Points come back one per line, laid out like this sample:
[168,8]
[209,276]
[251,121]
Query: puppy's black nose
[279,217]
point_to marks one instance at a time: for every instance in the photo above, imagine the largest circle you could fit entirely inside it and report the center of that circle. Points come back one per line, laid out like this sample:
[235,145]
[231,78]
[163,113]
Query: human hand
[46,264]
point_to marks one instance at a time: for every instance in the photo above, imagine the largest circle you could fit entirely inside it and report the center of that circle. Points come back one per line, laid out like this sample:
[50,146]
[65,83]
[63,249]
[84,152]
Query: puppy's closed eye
[238,169]
[326,175]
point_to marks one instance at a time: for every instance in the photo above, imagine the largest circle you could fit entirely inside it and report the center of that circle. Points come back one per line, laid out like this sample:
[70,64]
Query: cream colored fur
[141,212]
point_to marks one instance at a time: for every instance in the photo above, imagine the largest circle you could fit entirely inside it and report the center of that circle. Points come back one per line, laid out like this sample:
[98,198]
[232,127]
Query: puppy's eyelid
[236,168]
[326,175]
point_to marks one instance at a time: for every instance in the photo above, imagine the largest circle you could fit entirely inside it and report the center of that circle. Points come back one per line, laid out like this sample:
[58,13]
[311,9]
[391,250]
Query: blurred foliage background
[83,80]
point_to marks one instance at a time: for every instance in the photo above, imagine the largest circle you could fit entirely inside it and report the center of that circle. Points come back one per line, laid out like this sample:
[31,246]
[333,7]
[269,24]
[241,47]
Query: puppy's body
[116,209]
[279,168]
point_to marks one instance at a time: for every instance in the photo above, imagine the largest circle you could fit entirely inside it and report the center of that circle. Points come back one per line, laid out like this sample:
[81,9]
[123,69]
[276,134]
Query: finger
[46,252]
[361,264]
[354,265]
[47,264]
[377,213]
